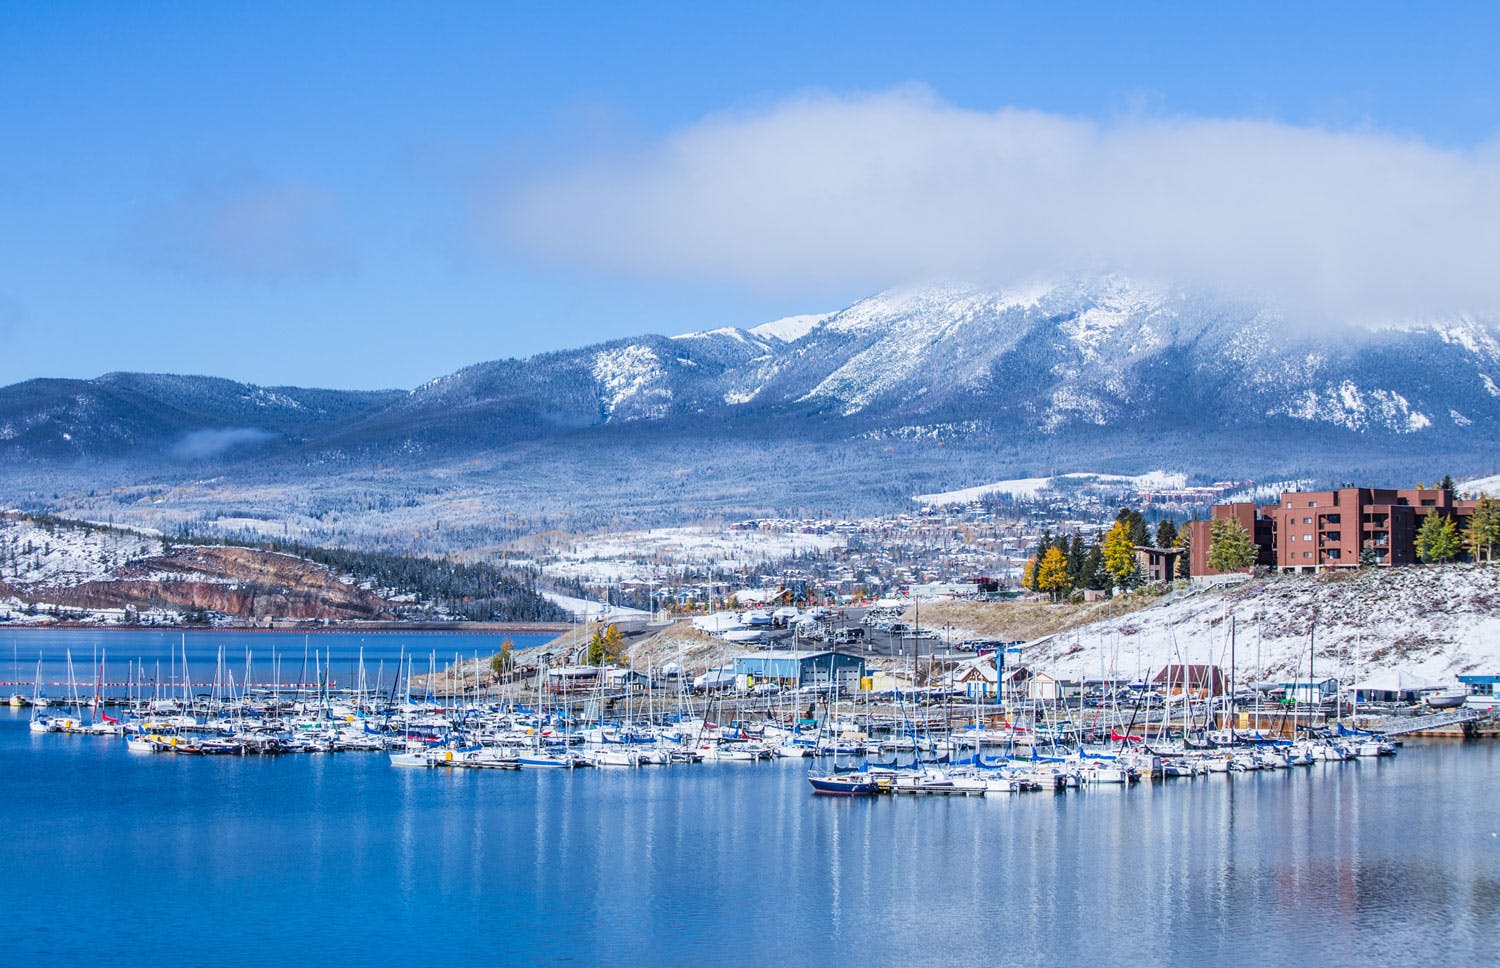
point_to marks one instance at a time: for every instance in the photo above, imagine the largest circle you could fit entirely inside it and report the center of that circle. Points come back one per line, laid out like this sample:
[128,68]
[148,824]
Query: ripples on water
[228,861]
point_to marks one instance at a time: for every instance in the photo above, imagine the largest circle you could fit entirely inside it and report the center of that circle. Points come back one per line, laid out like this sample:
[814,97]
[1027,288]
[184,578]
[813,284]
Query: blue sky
[325,194]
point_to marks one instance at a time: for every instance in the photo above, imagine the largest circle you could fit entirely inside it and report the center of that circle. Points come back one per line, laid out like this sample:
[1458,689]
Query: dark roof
[1193,675]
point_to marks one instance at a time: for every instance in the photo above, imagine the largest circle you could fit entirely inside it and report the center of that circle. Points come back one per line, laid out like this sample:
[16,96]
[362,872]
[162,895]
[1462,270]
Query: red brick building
[1321,530]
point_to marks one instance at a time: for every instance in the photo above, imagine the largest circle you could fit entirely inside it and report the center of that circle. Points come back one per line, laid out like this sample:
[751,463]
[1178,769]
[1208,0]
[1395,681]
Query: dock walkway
[1418,724]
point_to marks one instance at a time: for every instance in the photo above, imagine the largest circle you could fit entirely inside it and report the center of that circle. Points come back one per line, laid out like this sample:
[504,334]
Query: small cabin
[1041,687]
[978,679]
[1198,681]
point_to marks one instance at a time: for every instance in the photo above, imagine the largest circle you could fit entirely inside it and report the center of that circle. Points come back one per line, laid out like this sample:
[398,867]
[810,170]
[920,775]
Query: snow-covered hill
[1128,486]
[1430,623]
[42,553]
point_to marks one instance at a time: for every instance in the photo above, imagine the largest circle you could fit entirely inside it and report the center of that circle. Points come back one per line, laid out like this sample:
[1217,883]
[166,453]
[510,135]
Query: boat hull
[836,786]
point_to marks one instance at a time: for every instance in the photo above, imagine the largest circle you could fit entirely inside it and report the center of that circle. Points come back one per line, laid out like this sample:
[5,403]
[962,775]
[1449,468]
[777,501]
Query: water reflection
[1362,863]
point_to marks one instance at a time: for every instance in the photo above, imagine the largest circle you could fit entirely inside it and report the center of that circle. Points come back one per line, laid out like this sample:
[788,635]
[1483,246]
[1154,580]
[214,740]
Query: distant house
[1196,680]
[1157,564]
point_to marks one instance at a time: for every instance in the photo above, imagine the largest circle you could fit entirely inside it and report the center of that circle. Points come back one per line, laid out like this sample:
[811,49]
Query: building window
[1307,520]
[1307,554]
[1294,537]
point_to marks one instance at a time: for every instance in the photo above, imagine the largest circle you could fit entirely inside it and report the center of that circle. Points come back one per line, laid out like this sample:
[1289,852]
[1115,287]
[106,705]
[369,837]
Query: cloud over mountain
[867,191]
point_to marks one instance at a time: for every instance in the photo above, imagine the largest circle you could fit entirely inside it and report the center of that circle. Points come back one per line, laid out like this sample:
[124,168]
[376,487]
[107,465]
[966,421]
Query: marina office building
[1309,531]
[793,669]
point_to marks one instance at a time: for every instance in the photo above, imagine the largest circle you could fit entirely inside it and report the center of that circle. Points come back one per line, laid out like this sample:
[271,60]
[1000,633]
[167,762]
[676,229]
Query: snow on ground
[31,553]
[582,608]
[664,552]
[1482,485]
[791,328]
[1028,488]
[1431,623]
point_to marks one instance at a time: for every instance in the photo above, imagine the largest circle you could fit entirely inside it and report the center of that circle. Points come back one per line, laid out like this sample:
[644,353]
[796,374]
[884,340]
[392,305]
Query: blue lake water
[145,655]
[341,859]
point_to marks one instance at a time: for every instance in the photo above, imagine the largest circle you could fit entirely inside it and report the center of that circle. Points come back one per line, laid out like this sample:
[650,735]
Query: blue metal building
[795,669]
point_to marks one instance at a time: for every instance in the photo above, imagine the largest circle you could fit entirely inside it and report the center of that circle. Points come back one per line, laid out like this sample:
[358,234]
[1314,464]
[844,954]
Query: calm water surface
[156,655]
[128,859]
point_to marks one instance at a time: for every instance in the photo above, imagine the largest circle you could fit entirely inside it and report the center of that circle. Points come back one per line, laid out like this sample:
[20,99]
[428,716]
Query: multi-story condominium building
[1321,530]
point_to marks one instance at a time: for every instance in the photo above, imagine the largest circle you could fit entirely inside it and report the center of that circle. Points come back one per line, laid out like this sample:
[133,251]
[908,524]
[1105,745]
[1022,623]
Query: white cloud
[200,444]
[823,193]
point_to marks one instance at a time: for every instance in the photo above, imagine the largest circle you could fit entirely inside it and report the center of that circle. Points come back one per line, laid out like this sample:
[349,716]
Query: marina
[736,861]
[853,743]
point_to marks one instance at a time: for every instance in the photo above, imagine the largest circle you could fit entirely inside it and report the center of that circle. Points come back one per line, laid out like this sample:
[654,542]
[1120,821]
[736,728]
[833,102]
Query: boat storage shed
[793,669]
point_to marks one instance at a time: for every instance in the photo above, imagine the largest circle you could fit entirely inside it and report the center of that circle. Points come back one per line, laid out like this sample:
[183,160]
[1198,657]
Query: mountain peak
[789,329]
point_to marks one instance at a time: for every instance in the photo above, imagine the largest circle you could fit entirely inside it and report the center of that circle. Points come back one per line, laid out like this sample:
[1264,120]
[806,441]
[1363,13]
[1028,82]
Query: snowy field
[586,610]
[1028,488]
[664,552]
[1484,485]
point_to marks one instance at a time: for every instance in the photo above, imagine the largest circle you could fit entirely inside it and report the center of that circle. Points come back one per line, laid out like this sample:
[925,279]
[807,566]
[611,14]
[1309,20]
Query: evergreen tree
[1437,539]
[1119,556]
[1229,546]
[1483,532]
[1052,575]
[1094,575]
[1077,560]
[1166,535]
[1447,485]
[1135,526]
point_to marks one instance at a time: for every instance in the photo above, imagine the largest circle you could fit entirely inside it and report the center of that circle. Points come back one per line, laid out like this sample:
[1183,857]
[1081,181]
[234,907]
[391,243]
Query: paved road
[875,642]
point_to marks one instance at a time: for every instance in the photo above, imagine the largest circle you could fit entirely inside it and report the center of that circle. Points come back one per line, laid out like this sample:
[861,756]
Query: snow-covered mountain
[1041,360]
[968,384]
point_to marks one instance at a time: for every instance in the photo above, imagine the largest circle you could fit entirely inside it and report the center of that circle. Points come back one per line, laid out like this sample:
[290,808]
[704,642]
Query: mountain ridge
[959,380]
